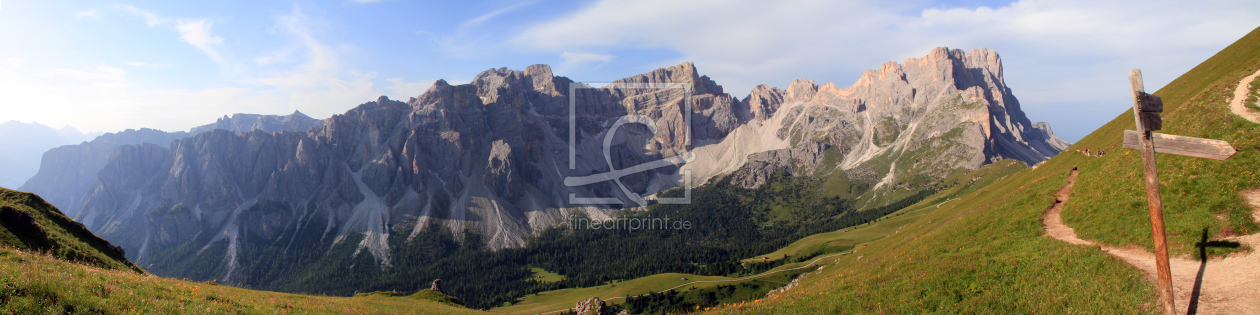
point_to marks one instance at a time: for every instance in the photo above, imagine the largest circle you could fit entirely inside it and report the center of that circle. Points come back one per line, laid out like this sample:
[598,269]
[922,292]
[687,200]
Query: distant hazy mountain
[23,144]
[73,135]
[240,123]
[67,172]
[492,157]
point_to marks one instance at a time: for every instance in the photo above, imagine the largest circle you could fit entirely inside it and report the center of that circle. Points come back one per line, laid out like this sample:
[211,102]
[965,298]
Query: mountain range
[494,158]
[66,173]
[800,207]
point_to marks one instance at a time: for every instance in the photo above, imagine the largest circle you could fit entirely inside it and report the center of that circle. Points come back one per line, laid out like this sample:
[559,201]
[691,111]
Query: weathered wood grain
[1147,144]
[1182,145]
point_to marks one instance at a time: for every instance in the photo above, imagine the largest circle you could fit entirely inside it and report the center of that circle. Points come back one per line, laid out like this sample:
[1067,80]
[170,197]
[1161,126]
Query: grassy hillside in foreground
[28,222]
[1109,200]
[50,265]
[983,252]
[33,283]
[986,252]
[818,245]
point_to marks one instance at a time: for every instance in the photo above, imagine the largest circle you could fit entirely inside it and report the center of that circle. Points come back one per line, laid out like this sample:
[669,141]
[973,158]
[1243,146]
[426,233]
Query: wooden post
[1143,120]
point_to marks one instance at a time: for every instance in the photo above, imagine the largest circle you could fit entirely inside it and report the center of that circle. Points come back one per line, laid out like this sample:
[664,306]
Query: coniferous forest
[727,224]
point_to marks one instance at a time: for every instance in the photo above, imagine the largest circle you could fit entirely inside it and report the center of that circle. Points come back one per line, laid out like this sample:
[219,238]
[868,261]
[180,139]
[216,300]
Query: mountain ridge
[490,157]
[66,173]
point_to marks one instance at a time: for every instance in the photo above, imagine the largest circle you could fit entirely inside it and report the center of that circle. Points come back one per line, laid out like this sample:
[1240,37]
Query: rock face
[67,172]
[802,160]
[297,121]
[592,306]
[485,156]
[1042,130]
[494,157]
[915,120]
[438,287]
[20,220]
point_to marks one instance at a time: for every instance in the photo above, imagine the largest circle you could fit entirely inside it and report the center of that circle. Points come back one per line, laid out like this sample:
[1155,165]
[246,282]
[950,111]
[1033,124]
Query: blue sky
[171,65]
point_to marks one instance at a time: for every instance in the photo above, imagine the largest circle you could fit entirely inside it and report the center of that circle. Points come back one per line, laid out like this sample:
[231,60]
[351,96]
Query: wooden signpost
[1146,109]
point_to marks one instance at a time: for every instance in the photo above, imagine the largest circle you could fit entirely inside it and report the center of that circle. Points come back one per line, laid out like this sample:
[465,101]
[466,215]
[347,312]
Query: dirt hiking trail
[1240,94]
[1228,285]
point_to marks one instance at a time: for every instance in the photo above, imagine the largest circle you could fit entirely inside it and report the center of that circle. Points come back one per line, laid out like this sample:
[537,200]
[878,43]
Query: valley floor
[1227,285]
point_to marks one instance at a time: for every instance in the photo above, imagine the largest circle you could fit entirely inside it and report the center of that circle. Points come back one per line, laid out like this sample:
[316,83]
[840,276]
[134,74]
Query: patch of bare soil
[1228,285]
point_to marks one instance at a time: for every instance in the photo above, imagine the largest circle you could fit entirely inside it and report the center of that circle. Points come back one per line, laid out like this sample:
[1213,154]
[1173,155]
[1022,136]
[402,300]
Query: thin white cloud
[740,43]
[142,64]
[307,74]
[104,98]
[1055,51]
[85,14]
[197,33]
[322,61]
[149,18]
[573,60]
[102,76]
[322,83]
[492,14]
[273,57]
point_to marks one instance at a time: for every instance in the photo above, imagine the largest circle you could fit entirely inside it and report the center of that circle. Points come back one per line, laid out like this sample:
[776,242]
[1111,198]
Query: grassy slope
[981,253]
[566,298]
[32,283]
[987,253]
[838,241]
[824,243]
[1109,202]
[56,234]
[60,267]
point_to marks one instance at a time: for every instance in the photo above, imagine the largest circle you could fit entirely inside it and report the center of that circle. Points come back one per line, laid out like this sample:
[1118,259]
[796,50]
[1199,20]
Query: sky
[172,65]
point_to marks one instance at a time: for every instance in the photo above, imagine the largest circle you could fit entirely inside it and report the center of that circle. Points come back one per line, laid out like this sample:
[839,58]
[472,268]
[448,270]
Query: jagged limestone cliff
[493,157]
[66,173]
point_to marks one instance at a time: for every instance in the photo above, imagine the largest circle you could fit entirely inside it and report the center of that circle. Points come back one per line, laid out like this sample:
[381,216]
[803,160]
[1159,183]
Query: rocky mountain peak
[763,101]
[444,96]
[680,73]
[985,58]
[871,76]
[544,81]
[893,111]
[241,123]
[802,90]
